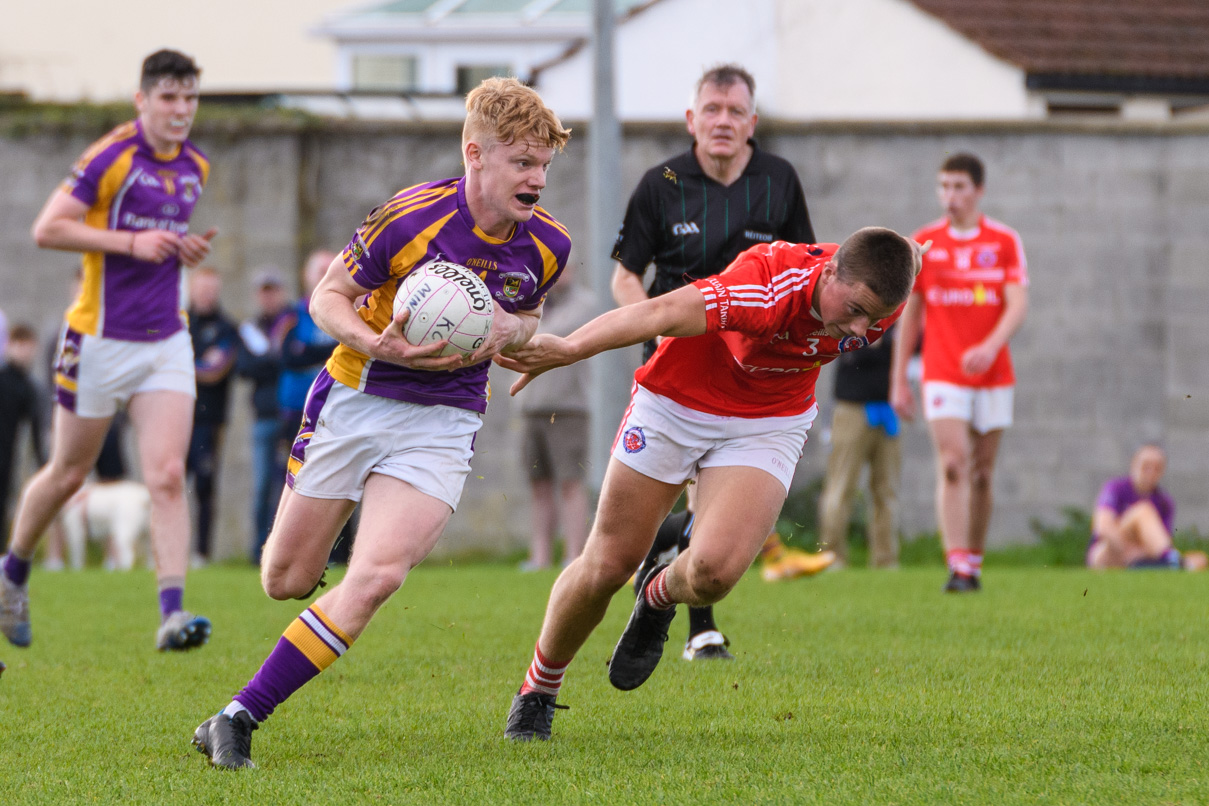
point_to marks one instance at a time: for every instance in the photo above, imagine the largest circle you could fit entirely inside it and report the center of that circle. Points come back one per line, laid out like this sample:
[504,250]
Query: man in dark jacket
[19,404]
[260,361]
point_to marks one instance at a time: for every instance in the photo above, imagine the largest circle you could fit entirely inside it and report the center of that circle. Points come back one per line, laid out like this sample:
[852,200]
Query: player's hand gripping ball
[447,301]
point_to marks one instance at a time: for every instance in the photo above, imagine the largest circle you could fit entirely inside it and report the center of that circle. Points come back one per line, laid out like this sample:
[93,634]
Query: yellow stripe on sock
[309,644]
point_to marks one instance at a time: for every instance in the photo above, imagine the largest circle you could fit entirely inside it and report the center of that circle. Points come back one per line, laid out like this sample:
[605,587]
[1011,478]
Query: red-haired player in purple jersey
[728,398]
[126,206]
[388,423]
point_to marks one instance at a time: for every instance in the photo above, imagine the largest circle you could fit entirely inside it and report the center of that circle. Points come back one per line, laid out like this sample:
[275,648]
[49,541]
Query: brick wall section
[1114,220]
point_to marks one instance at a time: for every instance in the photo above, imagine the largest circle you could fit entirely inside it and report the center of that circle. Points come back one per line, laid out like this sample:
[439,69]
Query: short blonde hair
[506,111]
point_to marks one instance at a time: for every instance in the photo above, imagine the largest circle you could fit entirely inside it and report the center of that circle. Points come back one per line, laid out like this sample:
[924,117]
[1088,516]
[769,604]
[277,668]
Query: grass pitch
[1051,686]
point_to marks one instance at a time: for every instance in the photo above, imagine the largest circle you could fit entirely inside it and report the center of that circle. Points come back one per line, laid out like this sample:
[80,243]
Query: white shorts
[94,375]
[669,442]
[346,435]
[986,409]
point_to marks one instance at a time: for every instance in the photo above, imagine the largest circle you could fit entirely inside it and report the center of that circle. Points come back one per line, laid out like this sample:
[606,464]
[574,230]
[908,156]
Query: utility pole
[610,370]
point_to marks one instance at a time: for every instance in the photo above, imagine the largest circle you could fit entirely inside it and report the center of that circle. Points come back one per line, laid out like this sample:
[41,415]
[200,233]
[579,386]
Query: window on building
[385,73]
[470,77]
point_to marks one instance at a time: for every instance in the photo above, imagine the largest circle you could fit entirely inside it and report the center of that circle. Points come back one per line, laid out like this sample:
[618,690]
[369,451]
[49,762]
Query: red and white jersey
[763,345]
[961,284]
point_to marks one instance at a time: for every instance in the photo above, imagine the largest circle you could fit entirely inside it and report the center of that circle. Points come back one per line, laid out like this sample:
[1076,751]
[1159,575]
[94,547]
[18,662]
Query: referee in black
[691,216]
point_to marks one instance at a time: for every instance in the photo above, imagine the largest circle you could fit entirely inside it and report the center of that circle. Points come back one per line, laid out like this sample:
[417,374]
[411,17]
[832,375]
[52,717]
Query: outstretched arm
[509,331]
[679,313]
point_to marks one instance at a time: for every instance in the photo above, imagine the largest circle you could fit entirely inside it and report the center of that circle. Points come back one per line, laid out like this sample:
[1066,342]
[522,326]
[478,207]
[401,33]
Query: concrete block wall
[1114,218]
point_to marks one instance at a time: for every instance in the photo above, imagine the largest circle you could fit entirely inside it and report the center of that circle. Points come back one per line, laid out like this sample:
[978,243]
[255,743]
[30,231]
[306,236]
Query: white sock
[234,708]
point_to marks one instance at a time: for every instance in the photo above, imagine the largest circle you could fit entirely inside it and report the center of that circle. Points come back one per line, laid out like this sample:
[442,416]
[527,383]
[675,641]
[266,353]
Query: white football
[447,301]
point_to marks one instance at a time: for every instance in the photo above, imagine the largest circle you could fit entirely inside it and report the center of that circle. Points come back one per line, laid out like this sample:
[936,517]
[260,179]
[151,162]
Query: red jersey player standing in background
[728,399]
[972,294]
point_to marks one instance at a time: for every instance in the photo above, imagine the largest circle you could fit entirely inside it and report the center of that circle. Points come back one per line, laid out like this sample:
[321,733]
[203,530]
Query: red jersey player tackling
[973,291]
[731,405]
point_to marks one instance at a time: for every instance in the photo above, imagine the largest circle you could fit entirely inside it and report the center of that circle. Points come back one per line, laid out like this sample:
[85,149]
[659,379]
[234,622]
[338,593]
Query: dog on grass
[116,513]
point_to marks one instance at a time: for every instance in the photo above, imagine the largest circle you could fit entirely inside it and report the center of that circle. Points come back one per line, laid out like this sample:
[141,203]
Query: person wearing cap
[260,361]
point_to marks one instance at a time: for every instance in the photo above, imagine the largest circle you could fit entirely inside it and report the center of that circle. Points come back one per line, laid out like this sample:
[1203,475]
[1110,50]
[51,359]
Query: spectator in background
[304,350]
[215,348]
[864,431]
[1135,519]
[20,406]
[555,442]
[260,361]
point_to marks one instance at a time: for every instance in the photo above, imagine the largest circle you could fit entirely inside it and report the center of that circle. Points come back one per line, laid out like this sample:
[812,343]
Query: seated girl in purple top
[1134,520]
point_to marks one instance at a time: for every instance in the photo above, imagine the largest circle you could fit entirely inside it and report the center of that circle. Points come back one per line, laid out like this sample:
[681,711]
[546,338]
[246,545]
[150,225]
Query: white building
[71,50]
[813,59]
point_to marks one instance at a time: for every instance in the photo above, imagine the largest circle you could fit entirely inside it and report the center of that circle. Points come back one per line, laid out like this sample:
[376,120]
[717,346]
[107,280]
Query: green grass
[1051,686]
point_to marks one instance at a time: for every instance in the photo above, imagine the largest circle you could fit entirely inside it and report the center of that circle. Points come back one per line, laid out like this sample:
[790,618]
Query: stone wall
[1114,220]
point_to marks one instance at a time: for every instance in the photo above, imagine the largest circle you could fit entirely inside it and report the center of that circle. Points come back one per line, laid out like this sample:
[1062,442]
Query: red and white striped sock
[975,560]
[544,675]
[656,592]
[959,561]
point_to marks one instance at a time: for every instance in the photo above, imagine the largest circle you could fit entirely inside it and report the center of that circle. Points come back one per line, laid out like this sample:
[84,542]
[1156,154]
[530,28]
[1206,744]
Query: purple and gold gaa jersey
[432,221]
[128,186]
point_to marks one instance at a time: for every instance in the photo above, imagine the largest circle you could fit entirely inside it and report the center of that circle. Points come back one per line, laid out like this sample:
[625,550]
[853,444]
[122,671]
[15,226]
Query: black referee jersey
[692,227]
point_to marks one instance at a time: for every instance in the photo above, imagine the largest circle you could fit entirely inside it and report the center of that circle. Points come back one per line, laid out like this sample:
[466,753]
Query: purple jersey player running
[388,423]
[126,206]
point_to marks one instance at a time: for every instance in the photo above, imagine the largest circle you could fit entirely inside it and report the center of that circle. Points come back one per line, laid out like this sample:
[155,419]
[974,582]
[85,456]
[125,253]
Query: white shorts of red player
[671,443]
[985,409]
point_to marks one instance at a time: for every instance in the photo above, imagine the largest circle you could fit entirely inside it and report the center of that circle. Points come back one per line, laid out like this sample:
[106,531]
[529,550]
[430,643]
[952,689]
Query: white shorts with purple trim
[95,375]
[346,435]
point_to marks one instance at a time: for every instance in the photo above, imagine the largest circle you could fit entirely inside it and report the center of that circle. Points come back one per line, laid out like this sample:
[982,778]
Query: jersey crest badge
[512,283]
[190,188]
[850,343]
[669,175]
[633,440]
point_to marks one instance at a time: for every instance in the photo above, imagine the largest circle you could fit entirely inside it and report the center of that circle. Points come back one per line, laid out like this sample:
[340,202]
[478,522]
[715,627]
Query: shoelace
[535,707]
[656,620]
